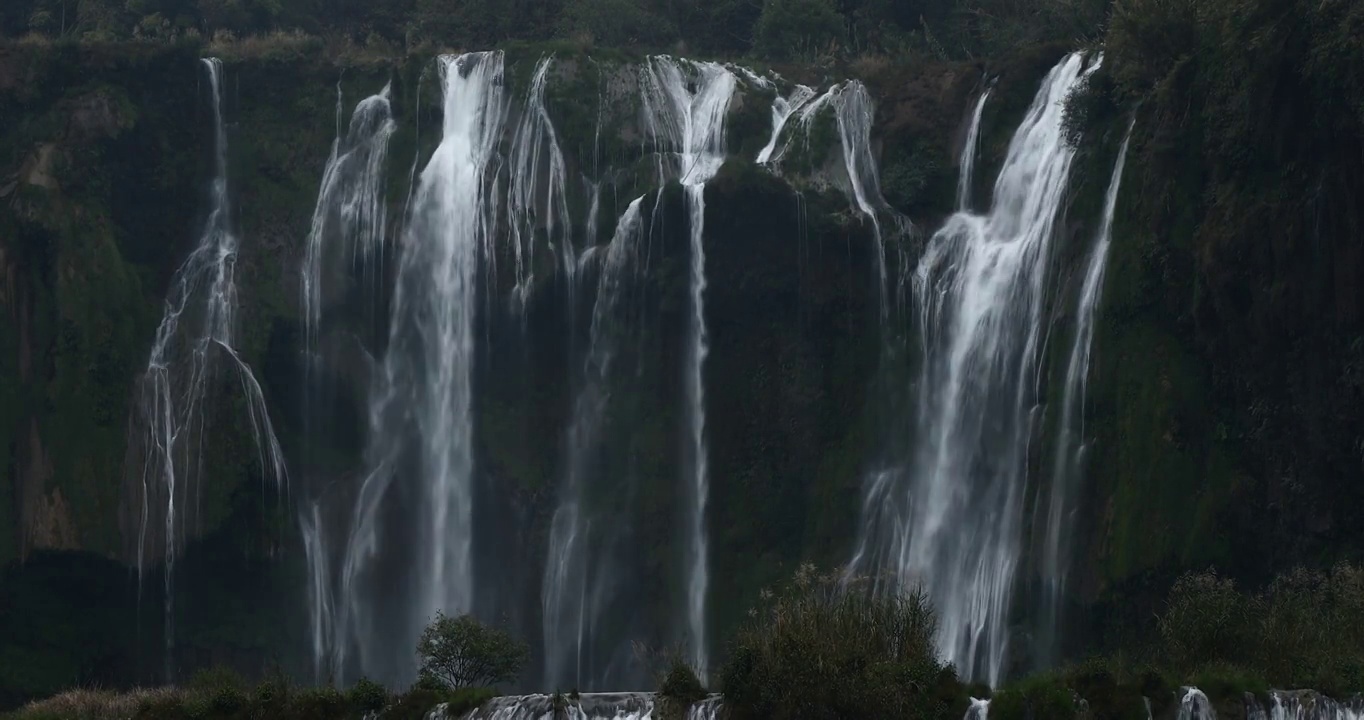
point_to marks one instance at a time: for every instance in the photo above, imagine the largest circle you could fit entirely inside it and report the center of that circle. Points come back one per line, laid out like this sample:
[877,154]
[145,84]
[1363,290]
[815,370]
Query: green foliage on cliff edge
[777,29]
[1226,398]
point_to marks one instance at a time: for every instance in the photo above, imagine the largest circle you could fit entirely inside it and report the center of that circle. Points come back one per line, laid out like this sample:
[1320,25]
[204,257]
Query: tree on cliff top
[462,652]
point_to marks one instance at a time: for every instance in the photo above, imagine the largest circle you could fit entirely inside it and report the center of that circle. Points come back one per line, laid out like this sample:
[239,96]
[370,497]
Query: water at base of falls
[1196,706]
[946,511]
[588,706]
[1304,705]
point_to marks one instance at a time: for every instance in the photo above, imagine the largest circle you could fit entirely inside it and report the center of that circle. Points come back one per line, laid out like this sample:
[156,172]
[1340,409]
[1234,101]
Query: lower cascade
[1303,705]
[587,706]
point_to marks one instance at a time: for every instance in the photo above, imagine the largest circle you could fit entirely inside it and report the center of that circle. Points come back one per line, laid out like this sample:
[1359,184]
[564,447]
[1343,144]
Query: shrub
[822,648]
[789,29]
[367,696]
[1042,697]
[1205,619]
[321,703]
[681,684]
[1305,630]
[427,693]
[462,652]
[216,678]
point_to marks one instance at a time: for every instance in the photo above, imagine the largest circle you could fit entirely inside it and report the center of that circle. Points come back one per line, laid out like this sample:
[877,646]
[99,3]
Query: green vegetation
[680,682]
[1306,629]
[461,652]
[456,652]
[776,29]
[824,646]
[816,649]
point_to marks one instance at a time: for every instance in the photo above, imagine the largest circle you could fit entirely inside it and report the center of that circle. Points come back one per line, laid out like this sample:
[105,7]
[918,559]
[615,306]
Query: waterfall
[691,123]
[1195,706]
[851,106]
[950,516]
[1306,705]
[169,416]
[588,706]
[350,213]
[535,144]
[420,416]
[572,598]
[348,229]
[978,709]
[320,614]
[968,155]
[782,110]
[1067,464]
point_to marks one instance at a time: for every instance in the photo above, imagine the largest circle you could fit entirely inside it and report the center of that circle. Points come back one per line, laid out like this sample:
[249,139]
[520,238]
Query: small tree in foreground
[462,652]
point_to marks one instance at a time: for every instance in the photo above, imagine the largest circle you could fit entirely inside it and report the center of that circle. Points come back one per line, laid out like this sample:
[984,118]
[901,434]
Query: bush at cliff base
[824,647]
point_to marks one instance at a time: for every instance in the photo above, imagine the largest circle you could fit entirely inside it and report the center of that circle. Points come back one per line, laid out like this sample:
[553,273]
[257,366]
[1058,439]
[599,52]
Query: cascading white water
[572,593]
[968,155]
[1067,463]
[588,706]
[421,418]
[978,709]
[198,326]
[536,145]
[348,227]
[683,110]
[350,214]
[782,110]
[951,518]
[1307,705]
[691,124]
[795,116]
[1195,706]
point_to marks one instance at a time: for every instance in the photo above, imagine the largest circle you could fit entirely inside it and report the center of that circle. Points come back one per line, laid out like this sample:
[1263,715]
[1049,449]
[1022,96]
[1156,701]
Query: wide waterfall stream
[949,516]
[193,344]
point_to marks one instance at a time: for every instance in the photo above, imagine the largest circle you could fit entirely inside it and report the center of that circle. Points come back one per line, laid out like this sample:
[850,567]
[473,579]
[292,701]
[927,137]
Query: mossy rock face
[793,318]
[85,249]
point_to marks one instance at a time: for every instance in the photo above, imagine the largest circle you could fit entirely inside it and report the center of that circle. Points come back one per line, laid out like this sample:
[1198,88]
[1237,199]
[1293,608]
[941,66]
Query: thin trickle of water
[782,110]
[320,614]
[169,417]
[1067,463]
[968,155]
[949,517]
[538,199]
[421,421]
[690,124]
[853,114]
[572,599]
[1195,706]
